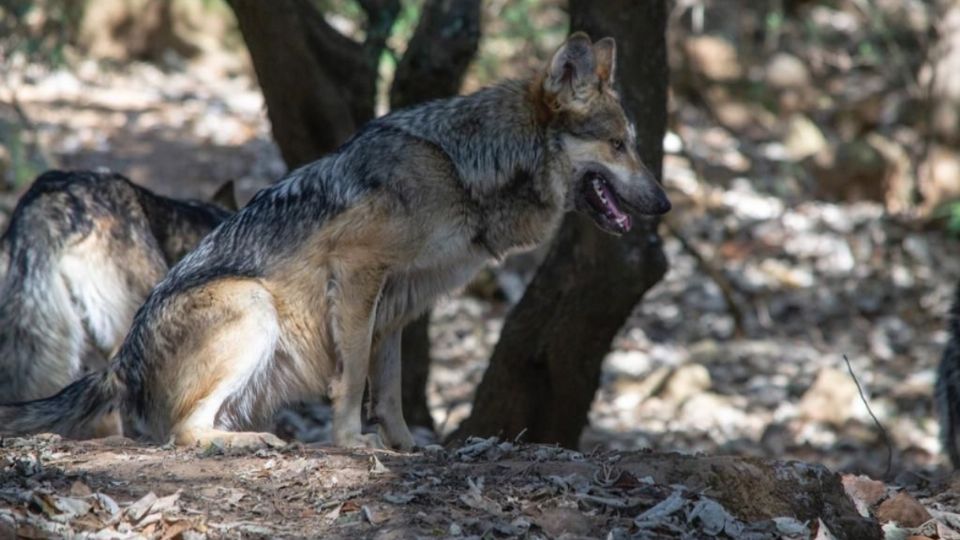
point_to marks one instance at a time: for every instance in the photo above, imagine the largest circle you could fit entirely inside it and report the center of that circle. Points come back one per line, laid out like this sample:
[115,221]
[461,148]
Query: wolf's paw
[234,440]
[256,440]
[358,440]
[398,439]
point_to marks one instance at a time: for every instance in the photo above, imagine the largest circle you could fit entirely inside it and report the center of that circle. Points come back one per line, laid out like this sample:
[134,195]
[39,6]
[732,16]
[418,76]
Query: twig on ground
[726,287]
[883,431]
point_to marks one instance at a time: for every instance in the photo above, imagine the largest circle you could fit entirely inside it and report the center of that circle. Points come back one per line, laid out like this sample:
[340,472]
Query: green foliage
[951,212]
[407,20]
[24,160]
[516,34]
[39,29]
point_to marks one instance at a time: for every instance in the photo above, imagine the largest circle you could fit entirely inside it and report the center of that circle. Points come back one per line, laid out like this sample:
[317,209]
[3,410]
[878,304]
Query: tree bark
[415,347]
[439,53]
[319,85]
[545,369]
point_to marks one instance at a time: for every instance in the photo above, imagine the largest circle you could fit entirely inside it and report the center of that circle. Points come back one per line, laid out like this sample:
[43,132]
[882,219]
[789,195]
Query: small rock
[803,138]
[713,57]
[685,382]
[787,71]
[831,399]
[904,510]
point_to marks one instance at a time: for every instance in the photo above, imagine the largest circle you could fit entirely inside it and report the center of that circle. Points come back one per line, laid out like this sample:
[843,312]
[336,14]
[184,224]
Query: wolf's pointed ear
[571,74]
[606,53]
[226,197]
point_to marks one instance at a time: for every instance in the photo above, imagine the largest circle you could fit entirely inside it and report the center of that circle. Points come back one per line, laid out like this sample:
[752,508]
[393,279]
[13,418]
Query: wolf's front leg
[385,393]
[352,299]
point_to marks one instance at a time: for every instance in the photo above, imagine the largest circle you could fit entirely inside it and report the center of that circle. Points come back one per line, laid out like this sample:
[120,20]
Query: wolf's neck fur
[488,134]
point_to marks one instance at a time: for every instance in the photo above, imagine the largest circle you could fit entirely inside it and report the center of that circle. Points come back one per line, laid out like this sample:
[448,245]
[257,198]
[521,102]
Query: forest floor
[115,488]
[812,281]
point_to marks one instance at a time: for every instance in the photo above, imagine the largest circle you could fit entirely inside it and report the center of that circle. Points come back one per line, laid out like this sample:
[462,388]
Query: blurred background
[812,156]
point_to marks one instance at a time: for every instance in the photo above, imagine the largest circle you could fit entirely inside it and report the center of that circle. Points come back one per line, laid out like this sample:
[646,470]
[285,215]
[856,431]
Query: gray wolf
[80,254]
[947,389]
[305,290]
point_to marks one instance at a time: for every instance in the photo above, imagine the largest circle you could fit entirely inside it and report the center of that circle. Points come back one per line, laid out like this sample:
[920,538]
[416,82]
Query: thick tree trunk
[545,370]
[320,87]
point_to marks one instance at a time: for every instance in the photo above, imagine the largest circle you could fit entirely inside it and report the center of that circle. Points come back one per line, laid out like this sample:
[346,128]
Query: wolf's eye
[617,145]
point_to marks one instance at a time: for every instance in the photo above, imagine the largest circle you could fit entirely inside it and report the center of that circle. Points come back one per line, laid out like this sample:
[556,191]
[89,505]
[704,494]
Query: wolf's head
[609,180]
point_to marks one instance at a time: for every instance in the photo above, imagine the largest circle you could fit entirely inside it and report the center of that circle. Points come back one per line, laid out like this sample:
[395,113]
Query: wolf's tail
[74,412]
[947,391]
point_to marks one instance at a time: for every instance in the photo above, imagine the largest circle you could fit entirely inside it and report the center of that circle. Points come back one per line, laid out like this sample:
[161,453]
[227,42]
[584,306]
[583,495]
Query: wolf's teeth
[597,188]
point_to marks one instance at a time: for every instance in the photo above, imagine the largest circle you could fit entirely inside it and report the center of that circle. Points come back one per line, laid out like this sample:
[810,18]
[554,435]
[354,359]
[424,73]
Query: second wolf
[305,291]
[81,253]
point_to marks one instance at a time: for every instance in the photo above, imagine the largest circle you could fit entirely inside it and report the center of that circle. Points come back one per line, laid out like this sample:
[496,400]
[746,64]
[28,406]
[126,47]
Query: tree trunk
[438,54]
[545,369]
[320,87]
[415,347]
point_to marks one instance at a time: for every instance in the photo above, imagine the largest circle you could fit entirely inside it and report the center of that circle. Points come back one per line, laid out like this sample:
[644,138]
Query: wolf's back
[74,412]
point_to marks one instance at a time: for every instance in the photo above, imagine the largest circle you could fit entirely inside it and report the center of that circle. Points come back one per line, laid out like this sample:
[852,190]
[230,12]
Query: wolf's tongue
[605,199]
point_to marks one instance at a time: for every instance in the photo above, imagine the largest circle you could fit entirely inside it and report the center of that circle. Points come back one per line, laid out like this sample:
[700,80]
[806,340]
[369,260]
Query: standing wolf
[305,290]
[81,253]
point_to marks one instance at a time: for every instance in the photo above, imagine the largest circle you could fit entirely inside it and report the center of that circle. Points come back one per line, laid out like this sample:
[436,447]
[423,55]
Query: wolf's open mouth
[603,203]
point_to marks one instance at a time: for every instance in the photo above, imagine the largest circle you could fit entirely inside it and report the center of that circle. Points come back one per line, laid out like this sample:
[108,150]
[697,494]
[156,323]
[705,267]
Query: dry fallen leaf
[175,529]
[79,489]
[332,515]
[474,497]
[165,504]
[903,510]
[398,498]
[376,466]
[374,517]
[138,509]
[864,491]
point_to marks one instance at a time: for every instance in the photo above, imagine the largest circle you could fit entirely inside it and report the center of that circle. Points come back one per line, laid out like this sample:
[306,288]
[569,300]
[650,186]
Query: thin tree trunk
[438,54]
[545,370]
[415,346]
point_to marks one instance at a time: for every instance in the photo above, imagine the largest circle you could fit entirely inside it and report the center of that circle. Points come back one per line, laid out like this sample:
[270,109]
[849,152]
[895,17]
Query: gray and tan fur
[304,292]
[81,253]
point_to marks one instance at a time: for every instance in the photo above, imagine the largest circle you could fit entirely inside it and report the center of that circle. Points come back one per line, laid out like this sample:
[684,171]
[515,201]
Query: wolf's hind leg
[107,425]
[385,393]
[225,379]
[352,302]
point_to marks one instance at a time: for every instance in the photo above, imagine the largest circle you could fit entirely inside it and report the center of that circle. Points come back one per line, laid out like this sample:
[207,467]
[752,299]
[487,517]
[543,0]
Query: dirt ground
[114,488]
